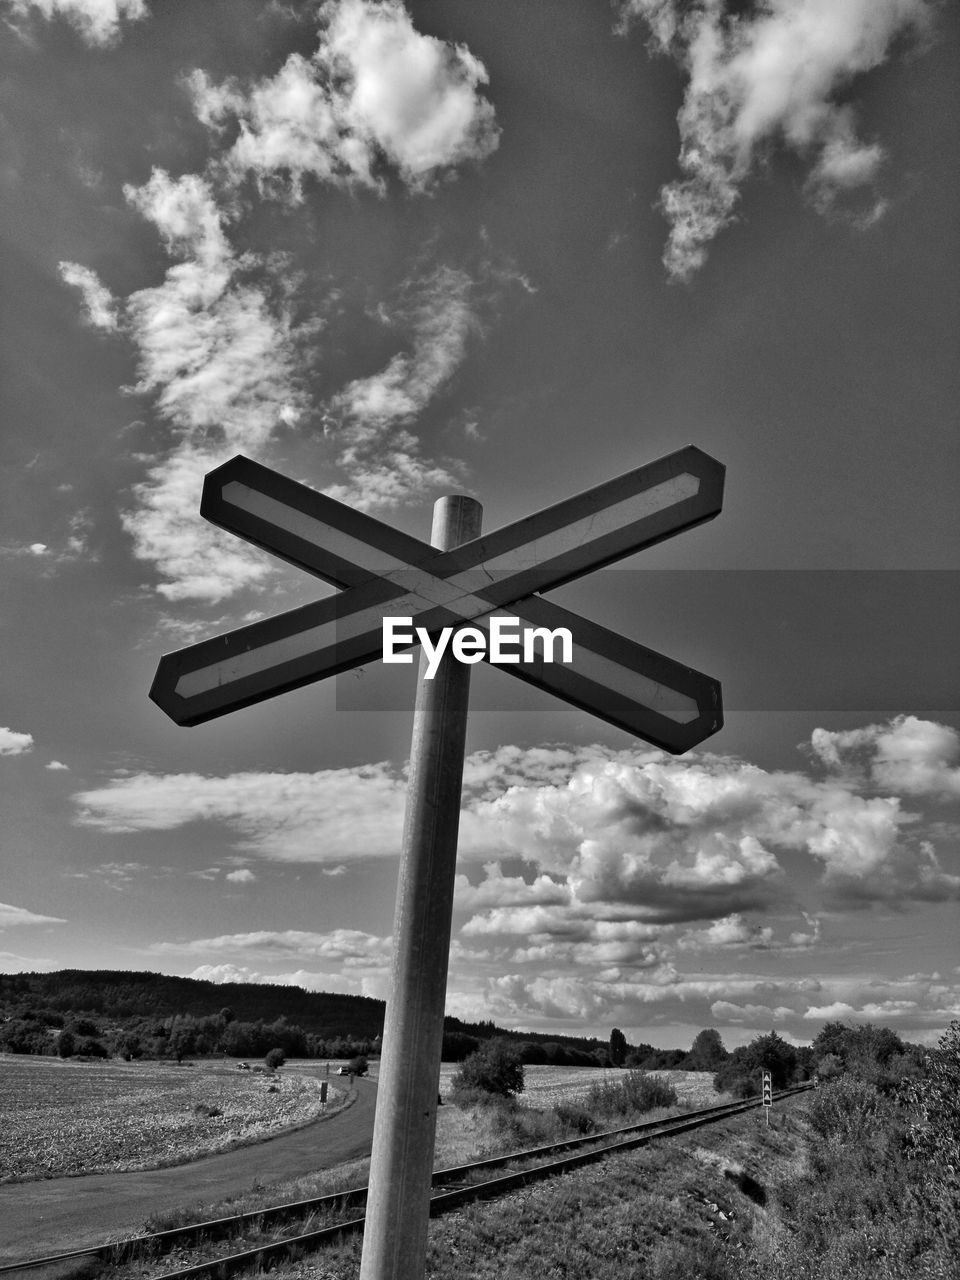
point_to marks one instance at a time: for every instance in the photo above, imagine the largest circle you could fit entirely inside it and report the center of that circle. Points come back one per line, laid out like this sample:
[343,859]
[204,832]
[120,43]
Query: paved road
[40,1218]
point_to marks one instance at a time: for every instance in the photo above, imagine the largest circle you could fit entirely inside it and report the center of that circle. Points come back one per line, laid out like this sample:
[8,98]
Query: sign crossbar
[382,573]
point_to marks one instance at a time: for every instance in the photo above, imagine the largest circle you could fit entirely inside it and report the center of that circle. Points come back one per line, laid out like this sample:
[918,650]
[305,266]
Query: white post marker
[461,579]
[766,1092]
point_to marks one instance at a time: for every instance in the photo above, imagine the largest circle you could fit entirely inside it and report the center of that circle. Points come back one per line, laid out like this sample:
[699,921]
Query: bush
[495,1068]
[628,1095]
[769,1052]
[358,1066]
[574,1117]
[66,1044]
[275,1058]
[91,1048]
[743,1087]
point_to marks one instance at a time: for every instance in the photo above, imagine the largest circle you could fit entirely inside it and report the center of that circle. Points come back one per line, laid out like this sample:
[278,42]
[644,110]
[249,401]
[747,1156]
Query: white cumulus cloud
[908,755]
[13,743]
[375,89]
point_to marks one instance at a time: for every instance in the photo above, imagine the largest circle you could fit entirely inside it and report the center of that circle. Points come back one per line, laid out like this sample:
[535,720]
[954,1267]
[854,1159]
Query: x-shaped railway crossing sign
[385,573]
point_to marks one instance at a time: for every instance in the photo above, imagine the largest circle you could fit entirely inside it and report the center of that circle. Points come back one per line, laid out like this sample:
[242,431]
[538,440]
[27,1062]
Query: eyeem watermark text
[502,640]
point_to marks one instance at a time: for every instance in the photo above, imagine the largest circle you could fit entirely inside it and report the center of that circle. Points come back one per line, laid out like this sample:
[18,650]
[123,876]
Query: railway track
[452,1188]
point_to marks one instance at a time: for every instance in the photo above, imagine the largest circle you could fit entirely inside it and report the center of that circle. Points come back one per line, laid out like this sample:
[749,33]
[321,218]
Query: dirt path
[40,1218]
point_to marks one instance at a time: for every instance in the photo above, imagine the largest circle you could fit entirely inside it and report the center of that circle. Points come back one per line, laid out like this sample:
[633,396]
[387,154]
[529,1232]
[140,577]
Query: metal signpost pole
[397,1213]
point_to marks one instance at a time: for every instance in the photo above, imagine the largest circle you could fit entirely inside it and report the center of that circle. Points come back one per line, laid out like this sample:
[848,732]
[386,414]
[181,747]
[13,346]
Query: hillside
[118,1001]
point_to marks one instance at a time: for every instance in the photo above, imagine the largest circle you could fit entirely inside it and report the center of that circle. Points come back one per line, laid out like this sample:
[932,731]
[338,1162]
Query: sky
[510,249]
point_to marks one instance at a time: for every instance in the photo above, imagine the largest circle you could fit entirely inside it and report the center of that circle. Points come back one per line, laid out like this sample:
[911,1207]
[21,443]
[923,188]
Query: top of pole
[456,518]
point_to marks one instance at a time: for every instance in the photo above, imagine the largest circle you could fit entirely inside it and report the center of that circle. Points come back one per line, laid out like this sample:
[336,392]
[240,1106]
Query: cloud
[750,1014]
[336,816]
[97,21]
[11,916]
[378,451]
[908,755]
[698,838]
[730,931]
[375,89]
[667,841]
[242,876]
[100,306]
[220,355]
[372,984]
[766,74]
[352,961]
[57,766]
[13,743]
[589,999]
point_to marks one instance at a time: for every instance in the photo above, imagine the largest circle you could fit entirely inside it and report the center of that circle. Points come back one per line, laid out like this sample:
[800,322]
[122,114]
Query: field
[69,1117]
[84,1117]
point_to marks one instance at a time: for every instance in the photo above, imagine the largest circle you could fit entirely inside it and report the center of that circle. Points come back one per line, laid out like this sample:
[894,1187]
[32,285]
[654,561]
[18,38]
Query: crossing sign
[382,572]
[767,1089]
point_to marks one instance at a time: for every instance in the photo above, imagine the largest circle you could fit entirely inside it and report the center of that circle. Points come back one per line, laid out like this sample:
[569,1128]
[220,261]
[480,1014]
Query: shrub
[275,1058]
[495,1067]
[574,1117]
[630,1094]
[829,1067]
[768,1052]
[91,1048]
[66,1044]
[743,1087]
[358,1066]
[206,1110]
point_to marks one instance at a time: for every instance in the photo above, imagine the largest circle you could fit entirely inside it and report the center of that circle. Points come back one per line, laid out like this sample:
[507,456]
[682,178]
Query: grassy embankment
[828,1191]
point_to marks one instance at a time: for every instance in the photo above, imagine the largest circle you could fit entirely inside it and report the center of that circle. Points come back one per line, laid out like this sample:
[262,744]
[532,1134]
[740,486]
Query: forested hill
[118,995]
[153,1004]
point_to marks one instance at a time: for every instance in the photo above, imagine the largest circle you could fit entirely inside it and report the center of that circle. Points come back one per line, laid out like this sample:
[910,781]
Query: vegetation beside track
[831,1190]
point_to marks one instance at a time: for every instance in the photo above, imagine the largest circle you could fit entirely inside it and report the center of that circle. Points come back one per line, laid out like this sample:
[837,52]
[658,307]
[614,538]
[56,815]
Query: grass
[673,1211]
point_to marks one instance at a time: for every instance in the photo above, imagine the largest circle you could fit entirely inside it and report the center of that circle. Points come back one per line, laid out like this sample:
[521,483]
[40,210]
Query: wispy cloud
[221,357]
[374,90]
[772,72]
[13,743]
[100,306]
[379,453]
[337,816]
[14,916]
[97,21]
[218,347]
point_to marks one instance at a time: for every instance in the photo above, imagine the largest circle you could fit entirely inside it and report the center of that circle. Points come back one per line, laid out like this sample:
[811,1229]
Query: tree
[275,1058]
[707,1052]
[66,1044]
[618,1047]
[495,1068]
[768,1052]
